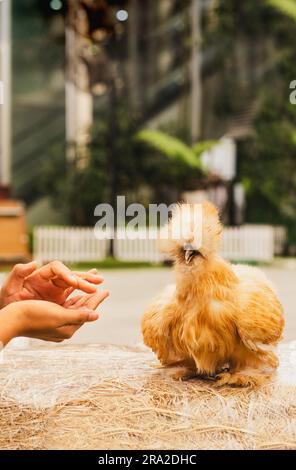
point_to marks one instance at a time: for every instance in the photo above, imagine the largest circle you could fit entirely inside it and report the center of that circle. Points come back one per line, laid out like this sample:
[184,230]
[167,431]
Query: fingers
[55,269]
[85,286]
[91,301]
[95,300]
[24,270]
[17,276]
[69,291]
[75,320]
[70,302]
[90,276]
[47,320]
[61,276]
[58,270]
[78,315]
[83,281]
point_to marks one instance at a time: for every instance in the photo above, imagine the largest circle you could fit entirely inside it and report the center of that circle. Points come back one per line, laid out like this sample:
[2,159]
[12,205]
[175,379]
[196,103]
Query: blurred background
[159,101]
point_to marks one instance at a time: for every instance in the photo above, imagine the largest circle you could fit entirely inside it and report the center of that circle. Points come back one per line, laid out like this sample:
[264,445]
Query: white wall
[5,91]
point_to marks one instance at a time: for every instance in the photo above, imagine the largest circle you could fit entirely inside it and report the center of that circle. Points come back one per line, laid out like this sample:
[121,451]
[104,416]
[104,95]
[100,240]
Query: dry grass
[105,397]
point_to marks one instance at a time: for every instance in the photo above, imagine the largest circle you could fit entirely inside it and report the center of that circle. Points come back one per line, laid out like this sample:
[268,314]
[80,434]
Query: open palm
[88,301]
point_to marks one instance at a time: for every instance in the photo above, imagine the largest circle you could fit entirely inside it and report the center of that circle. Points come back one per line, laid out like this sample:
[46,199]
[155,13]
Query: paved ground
[132,290]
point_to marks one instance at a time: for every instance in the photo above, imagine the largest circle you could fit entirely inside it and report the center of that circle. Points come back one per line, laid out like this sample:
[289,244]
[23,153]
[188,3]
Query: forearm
[9,327]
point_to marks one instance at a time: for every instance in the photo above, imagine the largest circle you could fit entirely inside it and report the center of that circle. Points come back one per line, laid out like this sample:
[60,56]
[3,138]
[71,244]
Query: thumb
[17,276]
[23,270]
[79,316]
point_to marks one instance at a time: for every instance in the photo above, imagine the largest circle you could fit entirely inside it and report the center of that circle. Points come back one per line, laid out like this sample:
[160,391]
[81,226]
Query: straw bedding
[107,397]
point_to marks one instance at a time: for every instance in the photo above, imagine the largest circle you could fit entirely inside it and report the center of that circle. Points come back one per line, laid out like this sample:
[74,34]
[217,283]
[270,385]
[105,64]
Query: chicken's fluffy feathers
[219,321]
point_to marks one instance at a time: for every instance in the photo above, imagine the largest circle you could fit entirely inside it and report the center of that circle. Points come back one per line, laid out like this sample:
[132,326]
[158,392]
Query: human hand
[90,301]
[53,282]
[44,320]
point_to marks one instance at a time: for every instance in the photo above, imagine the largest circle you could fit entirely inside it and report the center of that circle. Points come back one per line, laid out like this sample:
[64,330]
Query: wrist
[11,322]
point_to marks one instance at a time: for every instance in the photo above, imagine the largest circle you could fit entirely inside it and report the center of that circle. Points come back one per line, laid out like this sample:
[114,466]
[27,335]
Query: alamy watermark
[135,221]
[293,93]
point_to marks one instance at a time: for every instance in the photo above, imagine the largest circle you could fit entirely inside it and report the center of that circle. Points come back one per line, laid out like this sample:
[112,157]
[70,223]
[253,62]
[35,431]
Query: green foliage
[255,53]
[254,49]
[112,263]
[201,147]
[171,147]
[288,7]
[267,160]
[74,190]
[120,164]
[174,149]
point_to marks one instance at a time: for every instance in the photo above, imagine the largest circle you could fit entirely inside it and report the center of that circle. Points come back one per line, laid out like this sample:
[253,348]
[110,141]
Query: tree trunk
[79,99]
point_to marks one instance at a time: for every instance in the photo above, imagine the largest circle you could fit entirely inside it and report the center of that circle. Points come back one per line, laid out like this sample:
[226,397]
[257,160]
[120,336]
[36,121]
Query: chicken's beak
[190,252]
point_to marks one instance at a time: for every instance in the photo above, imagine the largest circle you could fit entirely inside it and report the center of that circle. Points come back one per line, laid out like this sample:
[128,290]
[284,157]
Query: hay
[106,397]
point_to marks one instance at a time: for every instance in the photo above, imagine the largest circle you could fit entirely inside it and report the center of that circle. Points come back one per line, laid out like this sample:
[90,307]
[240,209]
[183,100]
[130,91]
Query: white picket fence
[74,245]
[280,240]
[68,244]
[138,247]
[248,242]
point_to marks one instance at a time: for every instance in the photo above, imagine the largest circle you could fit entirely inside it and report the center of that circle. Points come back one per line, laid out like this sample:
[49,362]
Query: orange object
[13,233]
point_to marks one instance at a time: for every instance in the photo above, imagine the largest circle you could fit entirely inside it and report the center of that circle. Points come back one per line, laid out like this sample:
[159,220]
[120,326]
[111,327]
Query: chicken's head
[193,234]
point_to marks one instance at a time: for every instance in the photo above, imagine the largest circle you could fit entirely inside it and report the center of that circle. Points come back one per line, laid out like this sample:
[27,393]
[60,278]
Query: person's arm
[46,320]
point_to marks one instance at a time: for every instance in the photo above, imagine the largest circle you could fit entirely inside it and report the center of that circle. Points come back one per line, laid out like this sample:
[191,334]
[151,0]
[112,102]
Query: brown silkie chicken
[220,321]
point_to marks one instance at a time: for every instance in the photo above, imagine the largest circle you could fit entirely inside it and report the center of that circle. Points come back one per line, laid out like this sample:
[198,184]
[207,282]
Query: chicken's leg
[190,373]
[241,379]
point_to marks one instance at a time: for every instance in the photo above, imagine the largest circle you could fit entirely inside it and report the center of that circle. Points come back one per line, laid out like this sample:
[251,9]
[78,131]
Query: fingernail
[93,316]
